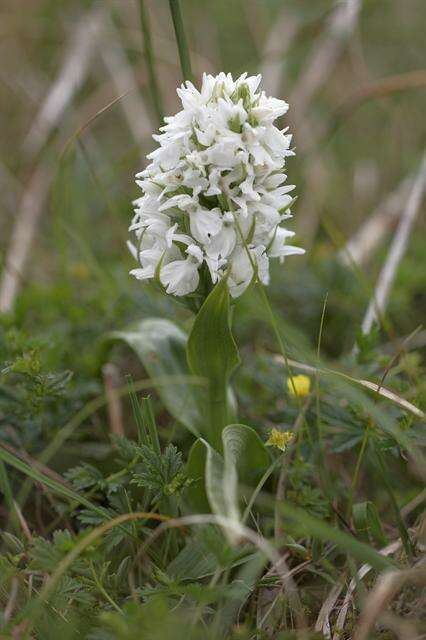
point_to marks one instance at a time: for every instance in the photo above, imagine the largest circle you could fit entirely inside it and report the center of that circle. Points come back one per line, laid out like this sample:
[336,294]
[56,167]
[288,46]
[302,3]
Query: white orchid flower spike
[215,192]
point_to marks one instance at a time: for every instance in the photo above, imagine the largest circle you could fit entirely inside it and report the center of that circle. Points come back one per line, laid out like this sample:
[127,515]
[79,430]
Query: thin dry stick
[399,244]
[325,53]
[30,209]
[112,382]
[386,588]
[372,386]
[323,621]
[361,246]
[24,525]
[69,79]
[12,599]
[380,88]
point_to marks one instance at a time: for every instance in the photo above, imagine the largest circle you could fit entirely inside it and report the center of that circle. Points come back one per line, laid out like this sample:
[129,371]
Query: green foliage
[85,476]
[213,354]
[244,460]
[160,473]
[367,523]
[28,391]
[46,554]
[161,346]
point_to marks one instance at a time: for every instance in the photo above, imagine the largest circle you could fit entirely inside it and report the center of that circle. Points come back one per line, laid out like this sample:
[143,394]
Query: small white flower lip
[215,191]
[195,251]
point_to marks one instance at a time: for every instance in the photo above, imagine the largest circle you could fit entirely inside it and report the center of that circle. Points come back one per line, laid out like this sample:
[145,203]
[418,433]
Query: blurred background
[77,115]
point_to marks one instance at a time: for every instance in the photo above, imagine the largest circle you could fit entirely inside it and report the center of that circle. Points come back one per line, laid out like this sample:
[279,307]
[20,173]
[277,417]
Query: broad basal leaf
[245,459]
[161,347]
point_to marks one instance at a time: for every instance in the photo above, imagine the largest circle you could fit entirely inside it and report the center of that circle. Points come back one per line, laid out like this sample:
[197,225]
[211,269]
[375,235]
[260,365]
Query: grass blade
[182,44]
[57,487]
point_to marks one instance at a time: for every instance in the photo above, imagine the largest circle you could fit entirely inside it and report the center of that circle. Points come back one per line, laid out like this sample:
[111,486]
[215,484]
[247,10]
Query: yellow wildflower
[279,439]
[299,385]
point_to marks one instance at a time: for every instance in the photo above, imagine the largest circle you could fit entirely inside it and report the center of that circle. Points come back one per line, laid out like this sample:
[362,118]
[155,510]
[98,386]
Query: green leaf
[212,353]
[57,487]
[196,470]
[161,472]
[207,464]
[215,472]
[247,576]
[301,522]
[367,523]
[161,347]
[192,563]
[244,460]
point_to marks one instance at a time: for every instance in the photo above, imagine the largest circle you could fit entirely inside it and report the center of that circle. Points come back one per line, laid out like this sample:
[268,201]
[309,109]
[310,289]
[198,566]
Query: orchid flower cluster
[215,192]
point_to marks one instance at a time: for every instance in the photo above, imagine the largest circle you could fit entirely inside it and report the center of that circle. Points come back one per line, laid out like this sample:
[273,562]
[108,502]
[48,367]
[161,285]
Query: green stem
[323,468]
[103,591]
[148,53]
[182,44]
[357,470]
[405,538]
[274,324]
[218,411]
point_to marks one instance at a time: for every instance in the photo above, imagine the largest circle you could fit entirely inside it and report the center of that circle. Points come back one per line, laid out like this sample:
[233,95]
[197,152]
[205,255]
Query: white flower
[215,192]
[181,277]
[244,266]
[278,248]
[205,224]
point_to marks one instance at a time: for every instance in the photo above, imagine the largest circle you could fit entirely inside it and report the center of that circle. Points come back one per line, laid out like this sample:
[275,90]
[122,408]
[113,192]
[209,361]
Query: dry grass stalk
[372,386]
[31,207]
[70,77]
[361,246]
[24,525]
[396,252]
[318,68]
[10,606]
[387,586]
[381,88]
[278,42]
[323,621]
[341,617]
[325,53]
